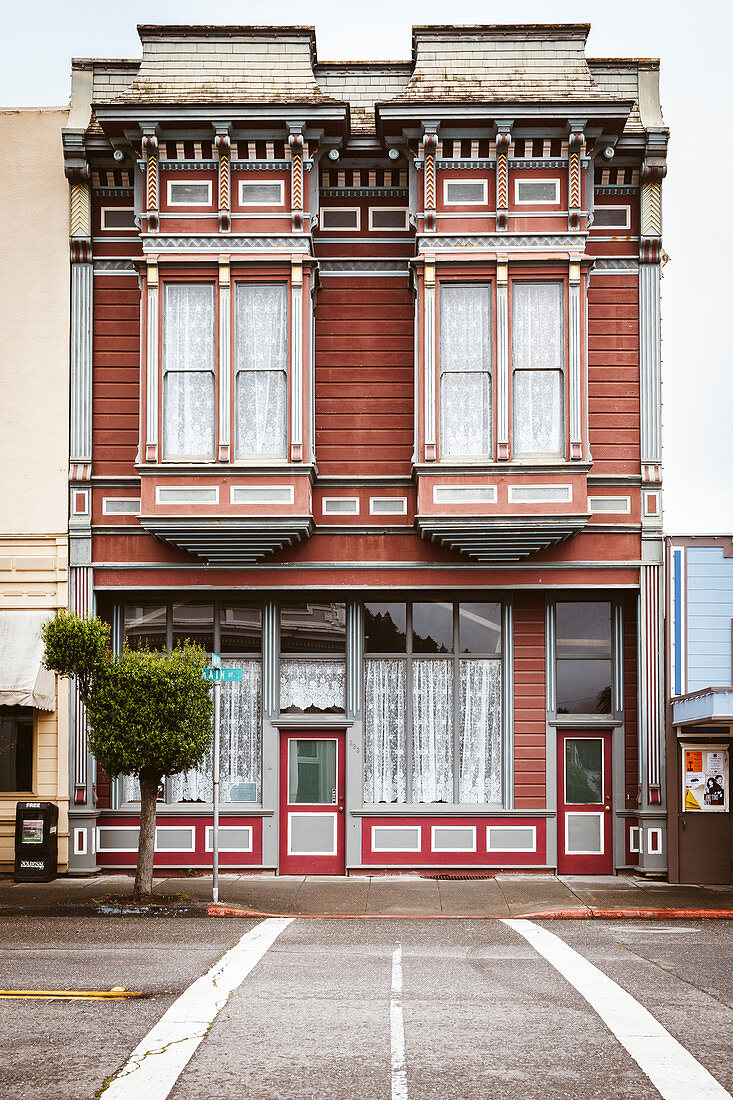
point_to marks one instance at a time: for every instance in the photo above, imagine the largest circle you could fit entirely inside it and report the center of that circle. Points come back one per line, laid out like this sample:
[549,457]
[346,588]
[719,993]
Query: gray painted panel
[584,833]
[312,834]
[446,838]
[510,838]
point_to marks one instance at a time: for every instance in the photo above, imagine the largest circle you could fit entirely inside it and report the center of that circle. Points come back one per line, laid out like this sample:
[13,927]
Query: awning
[713,704]
[23,679]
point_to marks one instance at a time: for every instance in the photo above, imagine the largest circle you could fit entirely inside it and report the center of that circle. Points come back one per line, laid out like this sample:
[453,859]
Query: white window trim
[572,737]
[177,829]
[636,834]
[627,220]
[484,183]
[585,851]
[334,500]
[209,838]
[536,202]
[401,501]
[491,849]
[244,184]
[117,228]
[623,506]
[120,500]
[567,499]
[434,829]
[340,228]
[264,489]
[189,202]
[654,842]
[186,488]
[393,829]
[333,816]
[110,828]
[390,228]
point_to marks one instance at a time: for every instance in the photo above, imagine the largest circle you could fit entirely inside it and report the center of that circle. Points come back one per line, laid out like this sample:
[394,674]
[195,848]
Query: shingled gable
[205,64]
[504,64]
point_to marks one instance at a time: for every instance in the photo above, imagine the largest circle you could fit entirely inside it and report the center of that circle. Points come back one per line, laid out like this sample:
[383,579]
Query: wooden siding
[116,356]
[631,718]
[529,704]
[709,616]
[364,376]
[613,373]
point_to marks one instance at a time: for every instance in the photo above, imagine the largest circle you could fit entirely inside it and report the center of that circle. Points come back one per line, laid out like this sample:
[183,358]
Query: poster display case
[705,778]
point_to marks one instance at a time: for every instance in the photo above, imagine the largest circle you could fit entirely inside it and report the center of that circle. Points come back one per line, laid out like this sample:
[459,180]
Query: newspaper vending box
[36,841]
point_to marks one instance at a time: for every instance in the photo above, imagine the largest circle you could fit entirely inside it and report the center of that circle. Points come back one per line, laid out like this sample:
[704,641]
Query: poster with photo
[705,780]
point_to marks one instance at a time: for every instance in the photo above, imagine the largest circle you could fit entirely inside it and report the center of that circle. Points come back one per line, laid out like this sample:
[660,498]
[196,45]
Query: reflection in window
[193,621]
[584,664]
[311,772]
[145,625]
[260,354]
[240,629]
[583,770]
[315,627]
[16,749]
[385,627]
[432,628]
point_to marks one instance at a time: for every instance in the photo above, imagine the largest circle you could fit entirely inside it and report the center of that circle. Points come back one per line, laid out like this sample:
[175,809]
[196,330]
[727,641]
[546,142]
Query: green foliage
[150,710]
[74,646]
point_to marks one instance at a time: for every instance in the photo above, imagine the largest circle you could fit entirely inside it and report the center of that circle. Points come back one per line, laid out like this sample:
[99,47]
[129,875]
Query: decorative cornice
[212,243]
[229,541]
[502,538]
[507,242]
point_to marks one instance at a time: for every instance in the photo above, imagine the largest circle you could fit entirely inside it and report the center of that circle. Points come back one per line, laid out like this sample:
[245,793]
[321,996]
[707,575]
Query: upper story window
[188,370]
[260,364]
[465,357]
[538,367]
[583,651]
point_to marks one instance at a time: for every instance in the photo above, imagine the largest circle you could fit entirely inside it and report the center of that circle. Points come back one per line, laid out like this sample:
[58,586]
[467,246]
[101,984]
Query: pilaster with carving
[429,358]
[150,158]
[653,171]
[574,363]
[430,145]
[225,323]
[503,142]
[222,144]
[576,150]
[502,359]
[295,141]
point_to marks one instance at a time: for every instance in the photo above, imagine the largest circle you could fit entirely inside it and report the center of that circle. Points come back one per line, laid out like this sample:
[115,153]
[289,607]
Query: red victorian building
[366,399]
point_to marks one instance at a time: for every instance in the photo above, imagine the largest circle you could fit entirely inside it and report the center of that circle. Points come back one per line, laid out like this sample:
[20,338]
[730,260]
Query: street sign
[215,660]
[223,675]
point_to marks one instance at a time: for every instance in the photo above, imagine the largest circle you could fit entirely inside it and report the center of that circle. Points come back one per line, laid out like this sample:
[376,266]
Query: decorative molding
[80,451]
[488,539]
[270,659]
[574,363]
[222,144]
[576,149]
[650,370]
[229,541]
[211,243]
[430,144]
[295,142]
[607,266]
[296,361]
[429,365]
[503,141]
[114,267]
[150,155]
[151,403]
[225,343]
[386,266]
[514,241]
[502,359]
[354,656]
[80,215]
[650,683]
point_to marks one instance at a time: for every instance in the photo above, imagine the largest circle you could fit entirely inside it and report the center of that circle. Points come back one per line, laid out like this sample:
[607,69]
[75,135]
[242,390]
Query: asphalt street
[482,1013]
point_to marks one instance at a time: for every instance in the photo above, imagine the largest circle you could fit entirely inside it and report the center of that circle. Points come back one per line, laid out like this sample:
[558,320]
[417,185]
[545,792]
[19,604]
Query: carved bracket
[152,201]
[503,142]
[295,141]
[576,148]
[430,145]
[222,144]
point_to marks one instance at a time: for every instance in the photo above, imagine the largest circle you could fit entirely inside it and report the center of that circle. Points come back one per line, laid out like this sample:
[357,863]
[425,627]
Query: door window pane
[385,776]
[314,627]
[260,353]
[385,627]
[479,627]
[432,735]
[188,366]
[312,772]
[583,686]
[583,629]
[432,627]
[583,770]
[145,625]
[465,370]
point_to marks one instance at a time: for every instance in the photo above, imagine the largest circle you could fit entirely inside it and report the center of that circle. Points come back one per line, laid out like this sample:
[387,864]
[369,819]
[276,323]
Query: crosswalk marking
[397,1029]
[156,1063]
[672,1070]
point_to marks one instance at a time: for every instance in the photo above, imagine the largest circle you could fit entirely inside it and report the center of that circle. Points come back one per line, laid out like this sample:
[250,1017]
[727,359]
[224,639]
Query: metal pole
[215,845]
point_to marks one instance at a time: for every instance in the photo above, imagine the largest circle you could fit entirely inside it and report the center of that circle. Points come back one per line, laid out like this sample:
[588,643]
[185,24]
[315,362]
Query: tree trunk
[149,781]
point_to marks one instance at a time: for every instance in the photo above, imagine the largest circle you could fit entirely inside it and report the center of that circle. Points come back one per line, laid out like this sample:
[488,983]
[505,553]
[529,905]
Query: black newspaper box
[36,841]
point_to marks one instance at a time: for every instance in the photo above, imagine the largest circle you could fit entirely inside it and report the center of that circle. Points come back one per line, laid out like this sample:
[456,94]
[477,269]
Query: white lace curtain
[188,363]
[538,359]
[432,731]
[465,364]
[480,731]
[308,685]
[385,774]
[260,350]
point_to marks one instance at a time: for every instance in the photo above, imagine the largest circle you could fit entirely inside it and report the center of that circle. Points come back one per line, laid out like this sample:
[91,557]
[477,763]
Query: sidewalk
[505,895]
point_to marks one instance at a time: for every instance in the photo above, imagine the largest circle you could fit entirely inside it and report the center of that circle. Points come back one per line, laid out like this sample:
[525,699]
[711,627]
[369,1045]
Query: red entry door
[584,807]
[312,783]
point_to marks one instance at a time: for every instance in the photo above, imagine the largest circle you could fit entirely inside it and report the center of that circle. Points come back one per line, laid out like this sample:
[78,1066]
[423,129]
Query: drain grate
[459,877]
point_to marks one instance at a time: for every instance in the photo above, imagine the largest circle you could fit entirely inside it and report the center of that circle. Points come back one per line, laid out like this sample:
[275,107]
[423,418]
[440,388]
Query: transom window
[433,725]
[583,651]
[313,658]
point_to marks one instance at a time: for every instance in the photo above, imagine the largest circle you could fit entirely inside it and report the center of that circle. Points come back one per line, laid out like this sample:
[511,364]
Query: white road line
[397,1029]
[671,1069]
[156,1063]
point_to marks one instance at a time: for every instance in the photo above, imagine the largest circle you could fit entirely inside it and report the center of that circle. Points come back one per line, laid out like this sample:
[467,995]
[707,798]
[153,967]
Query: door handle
[607,809]
[341,809]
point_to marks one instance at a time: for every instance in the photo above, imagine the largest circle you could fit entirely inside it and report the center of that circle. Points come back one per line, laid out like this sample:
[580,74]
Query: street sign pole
[215,845]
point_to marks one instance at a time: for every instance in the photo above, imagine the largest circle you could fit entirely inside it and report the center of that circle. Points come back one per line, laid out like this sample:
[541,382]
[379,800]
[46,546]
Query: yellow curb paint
[117,994]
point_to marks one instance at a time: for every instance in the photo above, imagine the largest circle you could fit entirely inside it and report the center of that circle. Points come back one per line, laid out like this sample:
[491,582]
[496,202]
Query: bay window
[260,364]
[188,370]
[465,357]
[433,715]
[538,367]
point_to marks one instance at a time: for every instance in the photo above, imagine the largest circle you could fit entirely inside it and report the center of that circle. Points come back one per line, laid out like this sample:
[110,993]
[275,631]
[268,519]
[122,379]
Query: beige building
[34,448]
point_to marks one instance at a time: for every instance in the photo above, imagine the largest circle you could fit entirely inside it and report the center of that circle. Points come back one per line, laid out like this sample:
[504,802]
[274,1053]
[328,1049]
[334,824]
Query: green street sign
[223,675]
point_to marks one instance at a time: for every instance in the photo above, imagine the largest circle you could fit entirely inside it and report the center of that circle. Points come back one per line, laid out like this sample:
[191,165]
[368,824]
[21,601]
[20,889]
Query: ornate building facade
[366,399]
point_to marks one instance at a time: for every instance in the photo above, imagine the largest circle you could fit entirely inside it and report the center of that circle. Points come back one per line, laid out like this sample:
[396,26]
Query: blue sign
[223,675]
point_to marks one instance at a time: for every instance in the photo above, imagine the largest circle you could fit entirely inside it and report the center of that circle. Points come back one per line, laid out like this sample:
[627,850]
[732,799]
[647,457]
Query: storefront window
[16,749]
[145,625]
[193,621]
[313,658]
[583,651]
[442,713]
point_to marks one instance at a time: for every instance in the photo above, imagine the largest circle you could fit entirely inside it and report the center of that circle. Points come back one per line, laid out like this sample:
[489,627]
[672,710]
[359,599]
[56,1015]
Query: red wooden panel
[529,703]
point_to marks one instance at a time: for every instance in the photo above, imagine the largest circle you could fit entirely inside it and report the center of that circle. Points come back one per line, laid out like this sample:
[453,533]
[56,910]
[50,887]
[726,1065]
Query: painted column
[225,367]
[502,359]
[150,158]
[355,732]
[296,361]
[651,712]
[503,145]
[270,732]
[574,361]
[151,350]
[429,358]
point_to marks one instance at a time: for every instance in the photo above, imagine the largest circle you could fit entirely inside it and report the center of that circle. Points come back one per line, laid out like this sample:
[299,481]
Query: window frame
[389,228]
[247,204]
[488,284]
[339,228]
[104,210]
[239,279]
[612,206]
[541,457]
[409,806]
[187,278]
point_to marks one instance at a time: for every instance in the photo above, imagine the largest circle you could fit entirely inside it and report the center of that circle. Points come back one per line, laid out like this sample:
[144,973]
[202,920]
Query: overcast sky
[694,44]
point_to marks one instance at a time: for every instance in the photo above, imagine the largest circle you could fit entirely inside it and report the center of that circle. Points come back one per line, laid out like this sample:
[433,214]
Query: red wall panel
[116,378]
[529,703]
